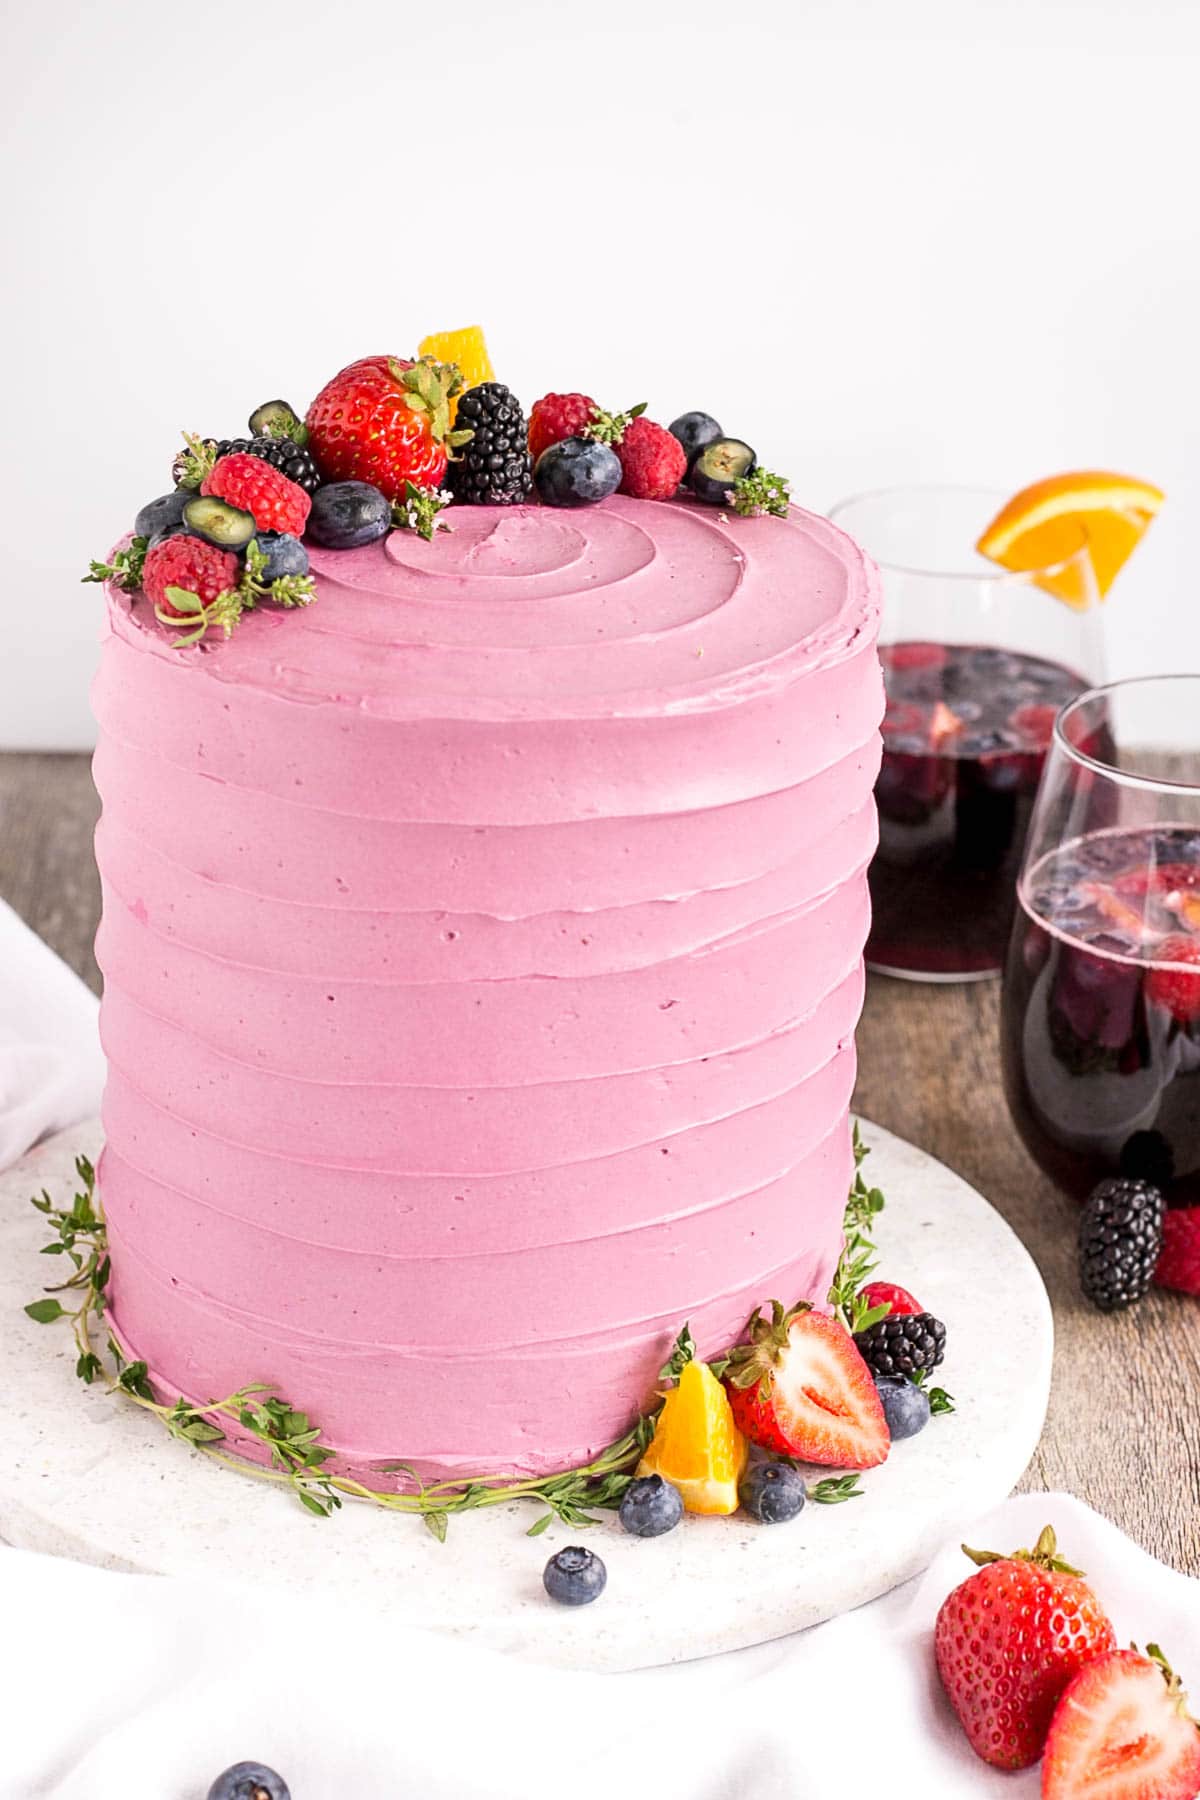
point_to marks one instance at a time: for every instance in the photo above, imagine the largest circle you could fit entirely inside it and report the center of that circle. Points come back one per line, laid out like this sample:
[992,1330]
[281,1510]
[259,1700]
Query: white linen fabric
[51,1066]
[129,1687]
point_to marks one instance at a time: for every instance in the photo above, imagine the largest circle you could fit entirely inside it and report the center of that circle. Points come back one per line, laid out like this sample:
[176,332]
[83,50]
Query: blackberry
[494,467]
[902,1343]
[1120,1237]
[284,454]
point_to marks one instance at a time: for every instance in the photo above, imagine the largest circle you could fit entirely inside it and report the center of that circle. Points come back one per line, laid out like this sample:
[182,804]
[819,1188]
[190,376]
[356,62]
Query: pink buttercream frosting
[483,952]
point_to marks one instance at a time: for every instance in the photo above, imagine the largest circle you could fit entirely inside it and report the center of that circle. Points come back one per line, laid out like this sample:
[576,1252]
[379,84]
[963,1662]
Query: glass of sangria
[1101,1006]
[977,661]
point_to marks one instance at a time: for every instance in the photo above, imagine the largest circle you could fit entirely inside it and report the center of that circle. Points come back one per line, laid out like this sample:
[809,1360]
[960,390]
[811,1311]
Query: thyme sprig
[125,569]
[857,1262]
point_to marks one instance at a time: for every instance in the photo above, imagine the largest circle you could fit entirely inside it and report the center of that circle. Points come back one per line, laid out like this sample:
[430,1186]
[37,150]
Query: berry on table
[347,514]
[218,522]
[191,564]
[898,1300]
[652,461]
[772,1492]
[1008,1640]
[495,468]
[283,554]
[1122,1731]
[800,1387]
[574,1576]
[695,430]
[902,1344]
[577,472]
[558,416]
[249,1781]
[1120,1237]
[386,421]
[283,453]
[158,514]
[718,468]
[1171,986]
[650,1506]
[1179,1262]
[257,487]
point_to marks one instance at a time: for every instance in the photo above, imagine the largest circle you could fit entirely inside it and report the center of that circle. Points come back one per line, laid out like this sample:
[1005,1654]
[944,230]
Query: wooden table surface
[1124,1426]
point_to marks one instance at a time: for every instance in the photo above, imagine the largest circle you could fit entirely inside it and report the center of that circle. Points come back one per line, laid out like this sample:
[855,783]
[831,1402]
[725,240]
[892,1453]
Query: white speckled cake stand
[86,1477]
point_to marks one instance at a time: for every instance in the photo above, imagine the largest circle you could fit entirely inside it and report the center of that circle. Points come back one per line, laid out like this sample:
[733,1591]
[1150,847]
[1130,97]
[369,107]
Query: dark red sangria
[1101,1017]
[965,737]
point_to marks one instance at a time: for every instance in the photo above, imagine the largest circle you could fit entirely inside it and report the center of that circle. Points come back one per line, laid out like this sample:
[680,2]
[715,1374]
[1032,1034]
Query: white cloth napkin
[51,1066]
[127,1687]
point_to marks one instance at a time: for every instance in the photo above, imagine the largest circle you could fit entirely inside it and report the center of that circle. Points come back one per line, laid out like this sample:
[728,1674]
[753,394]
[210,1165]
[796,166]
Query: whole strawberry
[386,421]
[556,417]
[189,564]
[1179,1259]
[1008,1640]
[254,486]
[653,462]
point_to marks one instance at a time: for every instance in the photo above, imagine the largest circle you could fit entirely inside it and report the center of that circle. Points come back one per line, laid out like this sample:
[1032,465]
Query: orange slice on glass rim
[1043,526]
[467,348]
[696,1445]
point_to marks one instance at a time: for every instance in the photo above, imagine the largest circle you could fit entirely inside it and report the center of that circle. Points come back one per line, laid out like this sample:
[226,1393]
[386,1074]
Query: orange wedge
[1044,525]
[696,1445]
[466,347]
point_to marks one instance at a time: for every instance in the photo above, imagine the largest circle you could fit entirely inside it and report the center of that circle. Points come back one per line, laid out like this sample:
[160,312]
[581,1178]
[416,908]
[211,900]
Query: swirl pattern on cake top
[482,952]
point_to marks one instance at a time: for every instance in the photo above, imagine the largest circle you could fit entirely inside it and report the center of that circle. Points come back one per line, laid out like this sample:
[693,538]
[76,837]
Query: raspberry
[886,1293]
[558,416]
[1176,989]
[1179,1261]
[191,564]
[254,486]
[653,463]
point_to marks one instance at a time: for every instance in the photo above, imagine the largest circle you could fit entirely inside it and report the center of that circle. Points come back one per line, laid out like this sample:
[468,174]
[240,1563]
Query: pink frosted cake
[483,952]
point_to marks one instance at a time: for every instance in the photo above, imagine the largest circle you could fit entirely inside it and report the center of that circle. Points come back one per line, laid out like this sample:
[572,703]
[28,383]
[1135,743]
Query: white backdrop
[883,239]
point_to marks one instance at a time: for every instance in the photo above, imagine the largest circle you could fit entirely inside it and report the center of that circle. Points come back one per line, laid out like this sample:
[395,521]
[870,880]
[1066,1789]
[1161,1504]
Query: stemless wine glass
[977,662]
[1101,1003]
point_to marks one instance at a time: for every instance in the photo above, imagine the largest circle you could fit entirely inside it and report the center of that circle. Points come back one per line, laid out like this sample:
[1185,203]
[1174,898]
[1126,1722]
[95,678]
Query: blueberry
[905,1405]
[156,515]
[577,472]
[346,514]
[650,1506]
[285,554]
[574,1577]
[249,1781]
[274,418]
[218,523]
[695,430]
[772,1492]
[718,466]
[181,528]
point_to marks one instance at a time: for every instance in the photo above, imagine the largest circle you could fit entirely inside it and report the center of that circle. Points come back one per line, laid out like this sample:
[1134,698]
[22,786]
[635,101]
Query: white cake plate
[89,1477]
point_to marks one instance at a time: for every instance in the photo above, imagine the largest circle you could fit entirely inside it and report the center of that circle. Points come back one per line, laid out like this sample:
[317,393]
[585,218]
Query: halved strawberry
[799,1386]
[1122,1731]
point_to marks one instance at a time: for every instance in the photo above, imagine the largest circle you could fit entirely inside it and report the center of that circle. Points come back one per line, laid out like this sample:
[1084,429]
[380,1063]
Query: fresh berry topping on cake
[905,1406]
[718,468]
[249,1781]
[898,1300]
[494,468]
[575,1576]
[282,555]
[696,1445]
[291,459]
[1177,989]
[577,472]
[192,564]
[218,522]
[650,1506]
[190,581]
[695,431]
[158,515]
[1008,1641]
[558,416]
[247,481]
[1120,1236]
[772,1492]
[276,420]
[419,508]
[386,421]
[1122,1731]
[799,1386]
[347,514]
[902,1344]
[1179,1262]
[652,461]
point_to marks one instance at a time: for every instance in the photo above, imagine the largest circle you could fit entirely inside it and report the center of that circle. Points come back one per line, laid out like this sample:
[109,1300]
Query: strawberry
[558,416]
[1123,1732]
[387,422]
[1174,988]
[1179,1259]
[898,1300]
[1035,724]
[1008,1640]
[256,487]
[799,1386]
[191,564]
[653,461]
